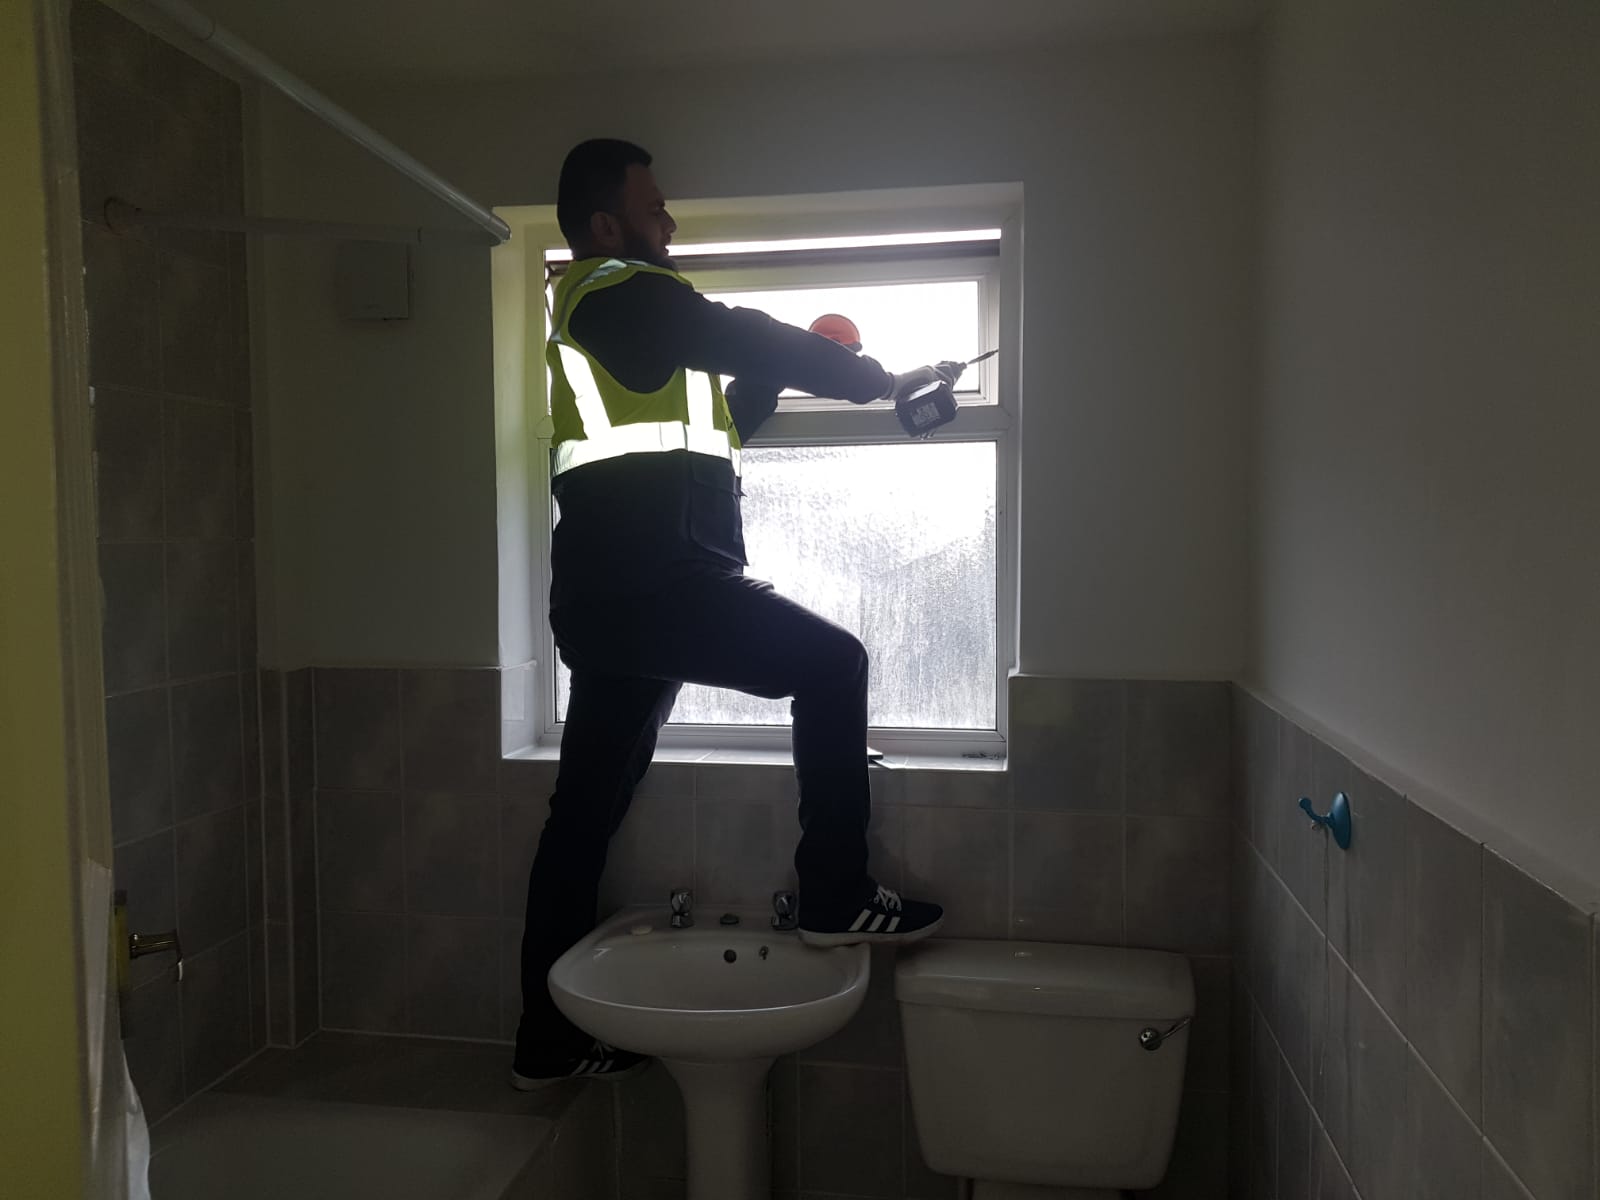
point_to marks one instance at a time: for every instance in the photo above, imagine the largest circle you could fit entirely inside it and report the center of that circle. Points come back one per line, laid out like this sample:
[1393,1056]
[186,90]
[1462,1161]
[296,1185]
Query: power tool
[933,405]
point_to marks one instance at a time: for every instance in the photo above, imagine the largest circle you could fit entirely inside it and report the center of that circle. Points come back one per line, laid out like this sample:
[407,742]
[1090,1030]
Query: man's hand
[909,383]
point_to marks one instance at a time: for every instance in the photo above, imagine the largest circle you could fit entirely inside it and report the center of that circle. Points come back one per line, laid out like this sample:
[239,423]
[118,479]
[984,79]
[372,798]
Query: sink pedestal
[725,1110]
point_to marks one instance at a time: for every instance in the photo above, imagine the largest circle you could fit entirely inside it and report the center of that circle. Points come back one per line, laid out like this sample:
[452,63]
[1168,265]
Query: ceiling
[456,40]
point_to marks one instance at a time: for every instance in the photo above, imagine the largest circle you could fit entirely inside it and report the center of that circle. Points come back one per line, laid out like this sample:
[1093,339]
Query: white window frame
[993,418]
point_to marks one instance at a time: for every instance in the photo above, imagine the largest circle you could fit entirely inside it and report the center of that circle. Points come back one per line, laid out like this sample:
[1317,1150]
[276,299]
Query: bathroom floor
[353,1116]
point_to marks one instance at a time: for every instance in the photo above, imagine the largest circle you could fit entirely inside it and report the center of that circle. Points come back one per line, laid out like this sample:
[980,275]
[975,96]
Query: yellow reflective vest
[596,418]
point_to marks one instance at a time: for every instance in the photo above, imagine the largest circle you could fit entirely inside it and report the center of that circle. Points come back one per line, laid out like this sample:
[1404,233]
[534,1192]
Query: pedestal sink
[716,1004]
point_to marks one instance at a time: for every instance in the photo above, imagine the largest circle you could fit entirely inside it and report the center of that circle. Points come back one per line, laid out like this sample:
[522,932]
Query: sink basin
[710,993]
[716,1004]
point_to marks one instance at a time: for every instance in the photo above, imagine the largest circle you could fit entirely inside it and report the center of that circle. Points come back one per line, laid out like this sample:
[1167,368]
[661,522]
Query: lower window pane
[897,544]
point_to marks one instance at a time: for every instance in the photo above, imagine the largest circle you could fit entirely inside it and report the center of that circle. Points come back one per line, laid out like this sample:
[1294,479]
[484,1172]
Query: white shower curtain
[119,1138]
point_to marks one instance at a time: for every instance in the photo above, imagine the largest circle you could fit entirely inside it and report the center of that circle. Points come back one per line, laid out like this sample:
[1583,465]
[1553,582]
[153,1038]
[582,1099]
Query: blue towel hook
[1337,819]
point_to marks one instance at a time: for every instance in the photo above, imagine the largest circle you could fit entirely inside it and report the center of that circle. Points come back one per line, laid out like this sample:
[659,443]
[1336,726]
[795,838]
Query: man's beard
[636,247]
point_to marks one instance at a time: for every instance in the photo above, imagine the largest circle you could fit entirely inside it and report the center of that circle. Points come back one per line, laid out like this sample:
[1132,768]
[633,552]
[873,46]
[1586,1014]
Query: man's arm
[646,328]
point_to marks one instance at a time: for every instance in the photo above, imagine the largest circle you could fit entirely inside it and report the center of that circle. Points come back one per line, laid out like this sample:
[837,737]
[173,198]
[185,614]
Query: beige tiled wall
[169,360]
[1109,827]
[1415,1016]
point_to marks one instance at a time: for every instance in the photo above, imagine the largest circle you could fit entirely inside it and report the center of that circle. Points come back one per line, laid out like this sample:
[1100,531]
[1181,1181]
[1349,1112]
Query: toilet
[1043,1071]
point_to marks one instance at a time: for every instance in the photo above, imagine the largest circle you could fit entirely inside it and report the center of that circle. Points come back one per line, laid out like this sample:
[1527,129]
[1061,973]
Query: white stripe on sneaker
[861,920]
[894,924]
[877,924]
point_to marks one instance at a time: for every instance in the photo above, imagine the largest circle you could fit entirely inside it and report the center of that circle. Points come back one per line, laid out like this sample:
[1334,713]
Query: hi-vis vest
[596,418]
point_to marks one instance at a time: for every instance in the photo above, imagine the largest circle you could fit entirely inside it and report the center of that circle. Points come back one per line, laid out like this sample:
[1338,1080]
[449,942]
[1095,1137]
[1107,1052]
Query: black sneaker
[884,918]
[599,1061]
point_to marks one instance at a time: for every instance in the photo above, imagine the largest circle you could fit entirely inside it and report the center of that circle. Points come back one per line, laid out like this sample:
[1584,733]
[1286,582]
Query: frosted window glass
[897,544]
[903,325]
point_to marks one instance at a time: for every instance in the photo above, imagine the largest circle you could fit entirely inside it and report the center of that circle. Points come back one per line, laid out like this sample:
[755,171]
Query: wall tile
[453,976]
[533,778]
[1068,882]
[955,788]
[254,876]
[1198,1169]
[212,901]
[1364,1072]
[1538,1051]
[1332,1181]
[1258,770]
[1300,852]
[250,729]
[191,87]
[128,475]
[303,858]
[279,982]
[872,1038]
[207,765]
[847,1115]
[152,1039]
[200,470]
[522,819]
[452,849]
[364,972]
[1298,1003]
[216,1012]
[451,730]
[244,478]
[1177,749]
[752,783]
[272,731]
[1499,1183]
[258,987]
[106,42]
[306,951]
[1294,1138]
[202,608]
[783,1118]
[360,852]
[1178,884]
[1444,954]
[133,633]
[1241,1018]
[652,854]
[358,729]
[650,1128]
[146,871]
[1066,744]
[139,762]
[122,293]
[1441,1141]
[194,327]
[1207,1068]
[1367,883]
[1265,1111]
[960,858]
[743,853]
[510,977]
[190,153]
[299,734]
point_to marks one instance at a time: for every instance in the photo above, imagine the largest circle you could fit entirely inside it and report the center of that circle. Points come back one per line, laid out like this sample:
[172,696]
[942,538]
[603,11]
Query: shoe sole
[531,1083]
[826,941]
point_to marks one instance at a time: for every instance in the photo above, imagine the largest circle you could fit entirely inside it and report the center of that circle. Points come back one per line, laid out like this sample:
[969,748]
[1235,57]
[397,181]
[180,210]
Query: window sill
[781,758]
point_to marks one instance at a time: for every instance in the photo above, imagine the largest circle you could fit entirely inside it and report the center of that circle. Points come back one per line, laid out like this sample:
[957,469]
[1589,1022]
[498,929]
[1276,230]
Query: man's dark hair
[591,182]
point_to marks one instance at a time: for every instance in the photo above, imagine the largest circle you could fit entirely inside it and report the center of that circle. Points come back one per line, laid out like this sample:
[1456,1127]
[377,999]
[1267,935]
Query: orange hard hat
[839,329]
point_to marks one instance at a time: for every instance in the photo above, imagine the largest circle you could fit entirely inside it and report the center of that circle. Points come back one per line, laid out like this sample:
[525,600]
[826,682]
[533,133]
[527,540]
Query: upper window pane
[903,325]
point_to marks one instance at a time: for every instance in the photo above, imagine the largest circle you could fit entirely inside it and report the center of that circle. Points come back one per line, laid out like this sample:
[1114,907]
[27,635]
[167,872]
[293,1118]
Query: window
[902,542]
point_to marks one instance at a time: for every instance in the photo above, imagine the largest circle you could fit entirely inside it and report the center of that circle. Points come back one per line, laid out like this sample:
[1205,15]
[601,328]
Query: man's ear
[606,230]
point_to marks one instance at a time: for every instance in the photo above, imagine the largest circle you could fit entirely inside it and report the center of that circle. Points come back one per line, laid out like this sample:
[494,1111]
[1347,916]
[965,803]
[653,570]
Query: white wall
[1137,161]
[1428,554]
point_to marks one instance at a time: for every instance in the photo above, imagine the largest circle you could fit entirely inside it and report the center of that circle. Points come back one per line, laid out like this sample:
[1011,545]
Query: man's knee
[847,659]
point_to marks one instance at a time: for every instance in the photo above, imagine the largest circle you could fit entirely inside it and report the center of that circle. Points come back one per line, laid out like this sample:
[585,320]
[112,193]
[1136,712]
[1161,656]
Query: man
[648,590]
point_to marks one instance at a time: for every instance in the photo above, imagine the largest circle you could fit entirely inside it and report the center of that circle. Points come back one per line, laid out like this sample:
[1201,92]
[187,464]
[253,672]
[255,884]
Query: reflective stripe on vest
[601,438]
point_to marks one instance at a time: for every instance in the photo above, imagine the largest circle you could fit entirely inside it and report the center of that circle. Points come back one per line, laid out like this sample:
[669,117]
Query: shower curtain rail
[201,27]
[121,215]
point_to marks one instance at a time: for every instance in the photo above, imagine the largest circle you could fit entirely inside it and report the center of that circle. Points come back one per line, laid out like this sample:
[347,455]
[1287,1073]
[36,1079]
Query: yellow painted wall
[40,1104]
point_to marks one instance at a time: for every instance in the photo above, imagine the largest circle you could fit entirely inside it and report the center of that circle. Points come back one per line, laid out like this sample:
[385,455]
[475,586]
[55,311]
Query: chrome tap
[682,902]
[784,913]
